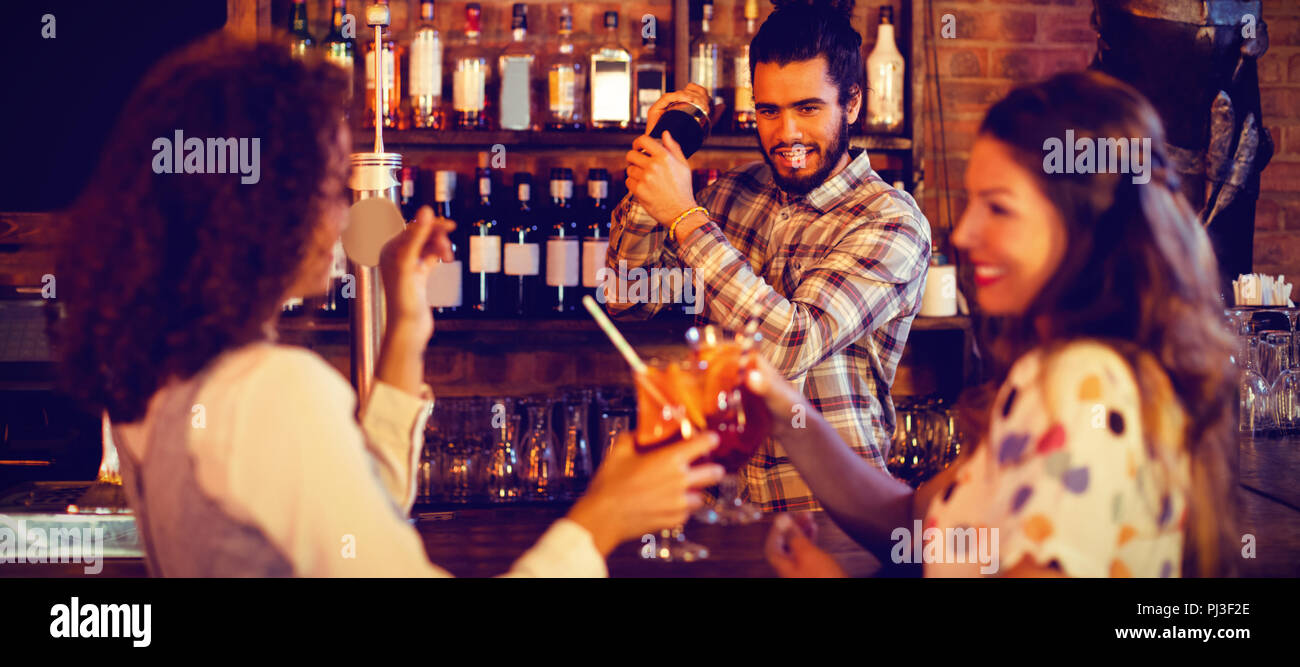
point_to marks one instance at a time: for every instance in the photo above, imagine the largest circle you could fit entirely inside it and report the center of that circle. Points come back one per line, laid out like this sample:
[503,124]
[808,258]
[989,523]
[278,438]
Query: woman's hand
[637,493]
[787,405]
[791,551]
[405,264]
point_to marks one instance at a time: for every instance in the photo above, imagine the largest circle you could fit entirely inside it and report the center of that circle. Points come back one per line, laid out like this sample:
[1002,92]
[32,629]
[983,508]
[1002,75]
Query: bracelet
[672,229]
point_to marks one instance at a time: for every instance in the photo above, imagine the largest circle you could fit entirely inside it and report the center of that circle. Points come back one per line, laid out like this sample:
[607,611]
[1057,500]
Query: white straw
[615,337]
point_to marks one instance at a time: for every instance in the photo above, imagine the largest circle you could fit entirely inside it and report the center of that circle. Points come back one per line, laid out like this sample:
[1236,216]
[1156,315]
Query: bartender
[811,241]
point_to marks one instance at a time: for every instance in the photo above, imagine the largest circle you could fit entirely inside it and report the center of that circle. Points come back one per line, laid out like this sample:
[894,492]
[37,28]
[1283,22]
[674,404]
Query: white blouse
[274,445]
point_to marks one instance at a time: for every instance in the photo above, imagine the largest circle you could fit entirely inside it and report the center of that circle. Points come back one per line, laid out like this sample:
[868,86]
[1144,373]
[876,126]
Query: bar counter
[484,542]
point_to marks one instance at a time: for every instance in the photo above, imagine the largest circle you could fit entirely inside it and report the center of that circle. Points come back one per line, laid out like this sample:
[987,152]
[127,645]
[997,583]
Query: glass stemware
[663,393]
[540,479]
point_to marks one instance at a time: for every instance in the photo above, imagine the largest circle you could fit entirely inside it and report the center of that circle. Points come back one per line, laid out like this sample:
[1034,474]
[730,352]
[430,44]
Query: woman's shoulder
[266,369]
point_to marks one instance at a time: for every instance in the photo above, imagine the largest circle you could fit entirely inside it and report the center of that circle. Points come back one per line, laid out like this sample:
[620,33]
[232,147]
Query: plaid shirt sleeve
[858,286]
[637,241]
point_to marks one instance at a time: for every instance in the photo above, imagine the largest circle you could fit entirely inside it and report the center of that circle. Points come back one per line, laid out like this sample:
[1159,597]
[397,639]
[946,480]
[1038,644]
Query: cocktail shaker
[688,123]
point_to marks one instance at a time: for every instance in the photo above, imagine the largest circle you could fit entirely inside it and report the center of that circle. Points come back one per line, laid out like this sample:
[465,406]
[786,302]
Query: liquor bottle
[425,69]
[885,77]
[339,49]
[611,80]
[300,40]
[566,81]
[516,67]
[743,115]
[521,253]
[471,72]
[484,248]
[445,285]
[392,102]
[595,233]
[563,261]
[651,79]
[706,57]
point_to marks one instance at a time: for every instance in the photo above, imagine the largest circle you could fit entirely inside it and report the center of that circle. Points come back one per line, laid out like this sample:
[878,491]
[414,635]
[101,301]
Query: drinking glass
[539,471]
[458,453]
[728,408]
[575,458]
[1284,394]
[663,393]
[502,470]
[1255,414]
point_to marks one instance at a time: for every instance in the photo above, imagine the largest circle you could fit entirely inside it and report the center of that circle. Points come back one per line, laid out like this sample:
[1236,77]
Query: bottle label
[516,99]
[408,188]
[593,260]
[522,259]
[444,285]
[562,85]
[426,65]
[469,85]
[444,185]
[562,262]
[744,87]
[525,192]
[561,189]
[611,91]
[485,187]
[704,73]
[389,84]
[598,189]
[485,254]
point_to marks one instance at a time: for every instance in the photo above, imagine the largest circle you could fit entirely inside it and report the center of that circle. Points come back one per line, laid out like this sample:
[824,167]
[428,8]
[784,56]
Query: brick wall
[1001,43]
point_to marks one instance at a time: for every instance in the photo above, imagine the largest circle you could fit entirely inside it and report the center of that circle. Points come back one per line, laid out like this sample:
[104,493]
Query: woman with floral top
[1106,450]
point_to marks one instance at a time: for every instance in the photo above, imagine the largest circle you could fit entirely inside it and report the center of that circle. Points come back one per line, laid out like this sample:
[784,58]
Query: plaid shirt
[835,276]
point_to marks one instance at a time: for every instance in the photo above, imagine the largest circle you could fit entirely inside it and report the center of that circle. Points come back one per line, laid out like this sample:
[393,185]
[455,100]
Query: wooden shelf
[577,325]
[397,140]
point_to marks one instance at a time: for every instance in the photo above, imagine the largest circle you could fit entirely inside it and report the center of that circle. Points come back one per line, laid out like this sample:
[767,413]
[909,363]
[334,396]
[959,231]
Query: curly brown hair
[1138,273]
[161,273]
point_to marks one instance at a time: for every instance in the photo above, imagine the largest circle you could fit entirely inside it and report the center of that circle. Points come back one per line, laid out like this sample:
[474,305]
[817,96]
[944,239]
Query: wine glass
[1255,414]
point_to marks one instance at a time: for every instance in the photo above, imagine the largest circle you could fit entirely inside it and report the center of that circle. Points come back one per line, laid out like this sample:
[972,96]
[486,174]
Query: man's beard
[802,183]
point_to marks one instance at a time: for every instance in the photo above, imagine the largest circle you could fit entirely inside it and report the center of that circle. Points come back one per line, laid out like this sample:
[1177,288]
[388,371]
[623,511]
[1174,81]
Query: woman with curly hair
[1107,450]
[243,457]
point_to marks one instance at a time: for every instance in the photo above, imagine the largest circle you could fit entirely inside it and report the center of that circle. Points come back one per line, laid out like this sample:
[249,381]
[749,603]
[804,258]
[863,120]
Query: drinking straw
[624,348]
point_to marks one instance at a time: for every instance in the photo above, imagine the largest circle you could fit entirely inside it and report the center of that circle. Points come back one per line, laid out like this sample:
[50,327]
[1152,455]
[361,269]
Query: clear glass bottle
[483,277]
[471,74]
[425,70]
[611,80]
[521,253]
[540,475]
[516,67]
[885,79]
[706,57]
[340,50]
[566,80]
[743,115]
[300,40]
[392,57]
[650,80]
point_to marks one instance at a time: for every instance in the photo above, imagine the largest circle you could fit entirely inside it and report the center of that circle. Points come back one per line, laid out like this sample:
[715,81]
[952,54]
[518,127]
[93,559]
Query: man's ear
[854,107]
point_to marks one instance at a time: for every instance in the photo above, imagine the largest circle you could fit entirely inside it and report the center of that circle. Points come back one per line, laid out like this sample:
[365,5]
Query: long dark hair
[161,272]
[1138,273]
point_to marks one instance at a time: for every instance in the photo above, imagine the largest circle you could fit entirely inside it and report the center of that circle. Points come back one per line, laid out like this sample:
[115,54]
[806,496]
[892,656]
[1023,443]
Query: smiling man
[811,241]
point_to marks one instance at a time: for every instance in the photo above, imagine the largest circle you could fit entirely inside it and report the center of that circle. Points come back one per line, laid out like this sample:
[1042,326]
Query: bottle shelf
[667,326]
[397,140]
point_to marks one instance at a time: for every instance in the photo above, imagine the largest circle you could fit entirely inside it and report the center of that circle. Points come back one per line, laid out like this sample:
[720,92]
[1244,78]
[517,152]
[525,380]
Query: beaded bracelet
[672,229]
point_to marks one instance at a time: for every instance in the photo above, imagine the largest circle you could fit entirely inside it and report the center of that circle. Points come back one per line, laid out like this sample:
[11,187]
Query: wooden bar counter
[484,542]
